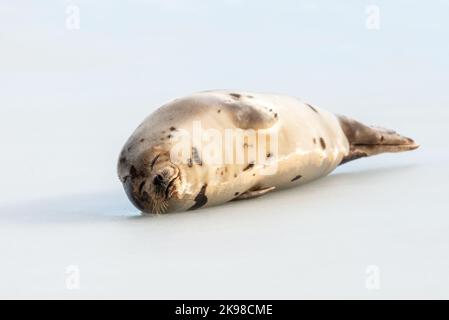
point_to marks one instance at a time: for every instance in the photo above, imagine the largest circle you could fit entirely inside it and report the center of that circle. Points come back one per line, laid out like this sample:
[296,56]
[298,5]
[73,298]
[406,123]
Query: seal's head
[149,177]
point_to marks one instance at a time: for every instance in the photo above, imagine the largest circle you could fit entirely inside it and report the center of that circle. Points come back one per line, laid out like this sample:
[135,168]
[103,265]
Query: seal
[218,146]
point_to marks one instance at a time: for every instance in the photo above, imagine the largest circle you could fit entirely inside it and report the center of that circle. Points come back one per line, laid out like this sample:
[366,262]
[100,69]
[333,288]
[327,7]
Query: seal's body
[300,143]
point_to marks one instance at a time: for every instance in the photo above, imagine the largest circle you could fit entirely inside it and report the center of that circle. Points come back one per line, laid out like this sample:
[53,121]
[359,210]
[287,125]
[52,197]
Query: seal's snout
[159,181]
[149,182]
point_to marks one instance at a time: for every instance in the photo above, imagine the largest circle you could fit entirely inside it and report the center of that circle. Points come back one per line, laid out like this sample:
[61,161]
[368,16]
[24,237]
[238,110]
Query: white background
[70,98]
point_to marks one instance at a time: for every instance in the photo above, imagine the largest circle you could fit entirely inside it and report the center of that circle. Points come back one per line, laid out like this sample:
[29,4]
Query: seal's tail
[366,141]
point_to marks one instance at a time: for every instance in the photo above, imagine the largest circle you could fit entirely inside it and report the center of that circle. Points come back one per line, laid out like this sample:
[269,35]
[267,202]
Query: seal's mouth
[153,198]
[163,182]
[162,189]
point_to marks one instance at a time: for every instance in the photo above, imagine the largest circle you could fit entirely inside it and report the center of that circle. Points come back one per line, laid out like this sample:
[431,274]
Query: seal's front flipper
[253,193]
[366,141]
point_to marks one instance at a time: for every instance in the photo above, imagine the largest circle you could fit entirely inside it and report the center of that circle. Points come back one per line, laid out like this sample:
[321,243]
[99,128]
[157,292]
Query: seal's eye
[158,180]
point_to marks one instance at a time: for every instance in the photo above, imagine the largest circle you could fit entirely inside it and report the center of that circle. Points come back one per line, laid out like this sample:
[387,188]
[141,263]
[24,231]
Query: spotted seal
[302,142]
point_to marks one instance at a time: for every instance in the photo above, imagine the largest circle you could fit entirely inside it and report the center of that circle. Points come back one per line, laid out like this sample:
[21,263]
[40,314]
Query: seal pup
[301,143]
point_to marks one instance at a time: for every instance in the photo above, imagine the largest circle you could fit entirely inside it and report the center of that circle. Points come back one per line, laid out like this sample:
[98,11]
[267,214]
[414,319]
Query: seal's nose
[128,185]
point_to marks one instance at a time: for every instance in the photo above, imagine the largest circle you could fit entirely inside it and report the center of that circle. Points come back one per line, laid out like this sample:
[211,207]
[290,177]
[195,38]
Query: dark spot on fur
[236,194]
[247,116]
[275,115]
[219,110]
[270,110]
[249,166]
[311,107]
[133,172]
[122,160]
[142,184]
[162,139]
[323,143]
[142,140]
[235,95]
[200,199]
[169,136]
[382,138]
[296,178]
[189,162]
[235,175]
[172,128]
[254,174]
[314,140]
[268,155]
[163,131]
[196,157]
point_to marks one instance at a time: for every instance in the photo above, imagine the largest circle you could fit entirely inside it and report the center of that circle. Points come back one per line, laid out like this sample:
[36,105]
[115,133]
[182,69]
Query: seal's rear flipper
[366,141]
